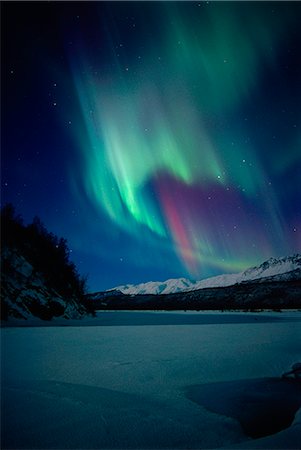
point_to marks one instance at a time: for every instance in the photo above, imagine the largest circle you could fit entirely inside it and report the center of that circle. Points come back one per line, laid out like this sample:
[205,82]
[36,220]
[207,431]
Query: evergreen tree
[45,251]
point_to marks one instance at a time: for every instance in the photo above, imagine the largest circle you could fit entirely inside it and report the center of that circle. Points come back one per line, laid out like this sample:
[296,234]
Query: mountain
[270,268]
[276,292]
[157,287]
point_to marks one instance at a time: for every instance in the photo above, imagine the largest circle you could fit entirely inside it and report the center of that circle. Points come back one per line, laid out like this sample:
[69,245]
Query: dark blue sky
[161,139]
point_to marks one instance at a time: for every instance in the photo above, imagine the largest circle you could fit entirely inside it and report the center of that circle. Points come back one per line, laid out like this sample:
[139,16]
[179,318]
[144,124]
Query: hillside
[275,284]
[37,278]
[248,296]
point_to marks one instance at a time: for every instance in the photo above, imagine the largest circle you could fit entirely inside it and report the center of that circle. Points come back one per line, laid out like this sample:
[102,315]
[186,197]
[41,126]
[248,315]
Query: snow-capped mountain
[270,268]
[157,287]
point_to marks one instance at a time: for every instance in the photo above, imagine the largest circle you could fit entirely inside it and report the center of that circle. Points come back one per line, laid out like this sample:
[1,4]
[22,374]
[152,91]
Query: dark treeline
[44,251]
[248,296]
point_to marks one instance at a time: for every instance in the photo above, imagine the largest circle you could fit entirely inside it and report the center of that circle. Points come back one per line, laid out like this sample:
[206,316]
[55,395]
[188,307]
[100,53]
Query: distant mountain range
[270,268]
[274,284]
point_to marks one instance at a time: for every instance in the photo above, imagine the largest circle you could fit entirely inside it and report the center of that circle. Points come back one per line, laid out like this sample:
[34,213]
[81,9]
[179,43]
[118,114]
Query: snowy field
[138,382]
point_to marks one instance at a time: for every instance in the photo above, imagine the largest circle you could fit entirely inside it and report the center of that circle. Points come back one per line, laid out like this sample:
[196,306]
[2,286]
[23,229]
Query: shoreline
[161,317]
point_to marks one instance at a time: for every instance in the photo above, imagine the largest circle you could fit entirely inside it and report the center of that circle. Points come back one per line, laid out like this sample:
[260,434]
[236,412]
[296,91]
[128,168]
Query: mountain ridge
[269,268]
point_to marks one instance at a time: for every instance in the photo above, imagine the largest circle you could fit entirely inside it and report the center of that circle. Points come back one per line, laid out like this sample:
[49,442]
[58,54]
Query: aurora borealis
[180,129]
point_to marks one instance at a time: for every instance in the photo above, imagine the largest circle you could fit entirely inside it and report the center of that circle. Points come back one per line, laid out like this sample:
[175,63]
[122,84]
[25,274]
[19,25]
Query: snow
[218,281]
[126,386]
[272,267]
[26,294]
[157,287]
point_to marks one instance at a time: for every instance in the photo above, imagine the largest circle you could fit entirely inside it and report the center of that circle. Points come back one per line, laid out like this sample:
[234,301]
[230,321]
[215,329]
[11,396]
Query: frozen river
[136,380]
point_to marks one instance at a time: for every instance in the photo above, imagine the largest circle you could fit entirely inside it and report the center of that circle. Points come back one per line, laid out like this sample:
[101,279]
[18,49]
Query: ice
[126,386]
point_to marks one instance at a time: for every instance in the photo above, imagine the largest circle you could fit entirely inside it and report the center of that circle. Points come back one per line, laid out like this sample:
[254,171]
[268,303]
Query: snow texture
[157,287]
[126,386]
[25,294]
[271,268]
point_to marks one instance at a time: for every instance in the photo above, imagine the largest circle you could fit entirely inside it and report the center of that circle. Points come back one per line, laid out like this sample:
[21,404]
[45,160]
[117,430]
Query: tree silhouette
[47,253]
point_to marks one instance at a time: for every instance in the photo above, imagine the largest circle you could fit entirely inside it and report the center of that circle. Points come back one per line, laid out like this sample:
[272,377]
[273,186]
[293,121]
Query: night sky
[162,139]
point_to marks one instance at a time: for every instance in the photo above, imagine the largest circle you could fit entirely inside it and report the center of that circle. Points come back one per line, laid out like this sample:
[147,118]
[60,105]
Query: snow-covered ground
[131,386]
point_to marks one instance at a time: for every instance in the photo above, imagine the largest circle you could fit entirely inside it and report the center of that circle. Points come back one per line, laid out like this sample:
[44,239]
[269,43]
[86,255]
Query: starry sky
[162,139]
